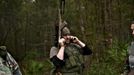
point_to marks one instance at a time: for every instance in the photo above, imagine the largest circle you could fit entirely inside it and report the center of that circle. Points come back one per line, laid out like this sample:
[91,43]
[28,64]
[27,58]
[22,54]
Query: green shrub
[112,63]
[32,65]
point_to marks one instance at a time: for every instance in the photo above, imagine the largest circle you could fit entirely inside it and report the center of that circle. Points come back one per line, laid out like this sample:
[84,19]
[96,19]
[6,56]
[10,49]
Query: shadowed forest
[27,28]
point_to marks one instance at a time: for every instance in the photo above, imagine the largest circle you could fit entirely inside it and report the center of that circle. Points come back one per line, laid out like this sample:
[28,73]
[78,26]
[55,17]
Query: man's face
[132,28]
[67,38]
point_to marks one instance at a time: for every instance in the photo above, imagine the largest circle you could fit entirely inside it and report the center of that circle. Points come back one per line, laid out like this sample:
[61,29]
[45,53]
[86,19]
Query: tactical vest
[74,61]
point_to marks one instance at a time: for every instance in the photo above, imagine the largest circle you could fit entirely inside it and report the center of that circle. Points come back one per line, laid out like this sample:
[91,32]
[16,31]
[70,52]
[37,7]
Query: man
[68,59]
[129,68]
[9,61]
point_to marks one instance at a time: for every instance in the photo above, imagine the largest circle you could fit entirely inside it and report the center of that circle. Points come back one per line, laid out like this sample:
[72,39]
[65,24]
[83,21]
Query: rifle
[60,15]
[60,24]
[58,27]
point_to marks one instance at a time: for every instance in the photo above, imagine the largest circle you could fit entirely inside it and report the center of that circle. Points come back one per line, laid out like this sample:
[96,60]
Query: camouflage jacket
[4,70]
[11,63]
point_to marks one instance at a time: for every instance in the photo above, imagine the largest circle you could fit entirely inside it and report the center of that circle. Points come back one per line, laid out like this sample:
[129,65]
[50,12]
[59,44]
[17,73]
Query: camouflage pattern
[131,55]
[75,57]
[10,61]
[4,70]
[74,62]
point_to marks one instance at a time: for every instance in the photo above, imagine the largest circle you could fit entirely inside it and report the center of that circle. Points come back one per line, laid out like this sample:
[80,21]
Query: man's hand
[77,41]
[60,54]
[62,42]
[74,39]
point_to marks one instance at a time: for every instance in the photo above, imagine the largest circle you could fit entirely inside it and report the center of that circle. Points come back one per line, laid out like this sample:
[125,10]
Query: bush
[33,65]
[113,61]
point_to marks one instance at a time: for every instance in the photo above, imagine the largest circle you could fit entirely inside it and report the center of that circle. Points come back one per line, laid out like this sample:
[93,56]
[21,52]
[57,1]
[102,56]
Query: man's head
[65,33]
[3,51]
[132,27]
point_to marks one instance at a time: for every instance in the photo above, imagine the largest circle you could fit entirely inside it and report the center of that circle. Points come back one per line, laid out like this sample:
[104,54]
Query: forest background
[27,29]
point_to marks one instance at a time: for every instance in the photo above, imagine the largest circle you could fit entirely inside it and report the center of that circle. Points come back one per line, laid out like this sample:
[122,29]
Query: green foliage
[31,55]
[24,25]
[102,68]
[34,66]
[117,52]
[112,63]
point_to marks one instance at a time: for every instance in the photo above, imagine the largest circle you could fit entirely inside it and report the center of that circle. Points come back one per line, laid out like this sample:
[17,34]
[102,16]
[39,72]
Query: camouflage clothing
[9,61]
[74,60]
[129,64]
[131,55]
[4,70]
[73,63]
